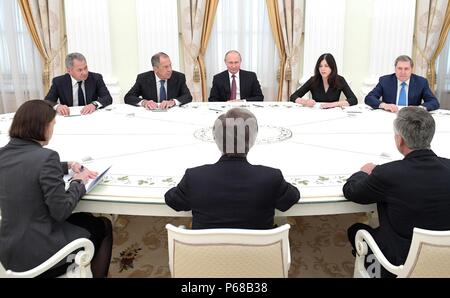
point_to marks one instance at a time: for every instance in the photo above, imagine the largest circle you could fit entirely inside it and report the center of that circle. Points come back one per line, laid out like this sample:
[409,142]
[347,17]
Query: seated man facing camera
[233,193]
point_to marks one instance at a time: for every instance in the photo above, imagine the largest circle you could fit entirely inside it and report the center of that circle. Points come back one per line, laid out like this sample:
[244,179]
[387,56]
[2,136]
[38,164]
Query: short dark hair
[156,59]
[31,120]
[235,131]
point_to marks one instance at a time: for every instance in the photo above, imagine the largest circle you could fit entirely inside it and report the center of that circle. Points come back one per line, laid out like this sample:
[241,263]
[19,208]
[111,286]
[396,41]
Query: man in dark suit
[402,89]
[234,83]
[161,88]
[233,193]
[78,87]
[413,192]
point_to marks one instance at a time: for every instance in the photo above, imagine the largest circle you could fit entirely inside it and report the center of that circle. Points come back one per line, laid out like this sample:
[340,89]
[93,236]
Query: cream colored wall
[124,43]
[358,26]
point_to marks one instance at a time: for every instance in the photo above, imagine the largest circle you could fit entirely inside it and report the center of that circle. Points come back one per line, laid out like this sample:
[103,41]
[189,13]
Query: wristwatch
[95,104]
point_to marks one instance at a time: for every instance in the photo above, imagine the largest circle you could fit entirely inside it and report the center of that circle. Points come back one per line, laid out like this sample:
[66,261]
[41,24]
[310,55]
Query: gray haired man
[78,87]
[412,192]
[232,193]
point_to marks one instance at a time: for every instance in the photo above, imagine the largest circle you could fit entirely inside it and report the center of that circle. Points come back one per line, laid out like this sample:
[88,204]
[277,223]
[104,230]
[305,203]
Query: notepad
[92,183]
[74,111]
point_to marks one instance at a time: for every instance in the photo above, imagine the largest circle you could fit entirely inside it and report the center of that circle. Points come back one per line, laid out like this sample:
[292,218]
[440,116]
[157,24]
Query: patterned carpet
[319,246]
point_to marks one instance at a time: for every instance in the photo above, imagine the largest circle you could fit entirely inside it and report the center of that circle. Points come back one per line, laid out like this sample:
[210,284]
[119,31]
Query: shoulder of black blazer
[148,75]
[94,76]
[177,76]
[247,74]
[66,79]
[222,76]
[62,80]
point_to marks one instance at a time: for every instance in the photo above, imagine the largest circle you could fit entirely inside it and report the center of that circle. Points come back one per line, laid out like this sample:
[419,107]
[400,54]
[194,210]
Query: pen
[215,110]
[81,170]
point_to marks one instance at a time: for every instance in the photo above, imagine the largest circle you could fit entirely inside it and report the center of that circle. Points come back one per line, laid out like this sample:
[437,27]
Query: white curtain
[20,63]
[244,26]
[443,76]
[430,16]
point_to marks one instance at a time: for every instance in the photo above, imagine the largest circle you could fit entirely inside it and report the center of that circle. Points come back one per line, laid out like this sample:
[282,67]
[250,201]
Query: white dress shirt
[75,91]
[399,87]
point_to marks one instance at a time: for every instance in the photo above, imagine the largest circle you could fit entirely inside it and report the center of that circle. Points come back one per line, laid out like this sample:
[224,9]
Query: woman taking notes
[37,218]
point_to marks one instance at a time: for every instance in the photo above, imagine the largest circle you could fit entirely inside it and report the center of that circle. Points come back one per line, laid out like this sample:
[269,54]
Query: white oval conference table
[149,151]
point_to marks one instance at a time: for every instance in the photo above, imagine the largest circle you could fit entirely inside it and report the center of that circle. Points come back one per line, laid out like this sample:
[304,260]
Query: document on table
[92,183]
[75,111]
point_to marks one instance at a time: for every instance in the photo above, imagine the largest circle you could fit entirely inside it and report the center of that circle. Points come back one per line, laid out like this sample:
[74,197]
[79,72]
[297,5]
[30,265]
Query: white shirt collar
[74,82]
[158,79]
[236,75]
[399,83]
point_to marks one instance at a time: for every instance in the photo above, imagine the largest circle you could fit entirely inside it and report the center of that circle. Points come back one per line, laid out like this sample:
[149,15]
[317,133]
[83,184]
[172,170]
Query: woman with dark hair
[325,86]
[37,218]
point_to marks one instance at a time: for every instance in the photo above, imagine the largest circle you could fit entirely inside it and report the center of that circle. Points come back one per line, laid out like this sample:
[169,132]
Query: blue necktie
[162,92]
[402,96]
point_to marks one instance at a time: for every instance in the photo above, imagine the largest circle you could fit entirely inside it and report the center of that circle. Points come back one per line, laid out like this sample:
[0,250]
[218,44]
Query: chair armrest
[363,240]
[82,259]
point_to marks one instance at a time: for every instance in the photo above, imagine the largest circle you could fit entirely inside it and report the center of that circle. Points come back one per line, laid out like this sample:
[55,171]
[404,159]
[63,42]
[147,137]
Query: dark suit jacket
[333,94]
[413,192]
[145,88]
[418,90]
[248,84]
[95,90]
[34,205]
[232,193]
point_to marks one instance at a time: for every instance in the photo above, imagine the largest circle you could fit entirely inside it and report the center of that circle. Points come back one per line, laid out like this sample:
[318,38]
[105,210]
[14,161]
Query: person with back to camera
[325,86]
[232,193]
[37,219]
[412,192]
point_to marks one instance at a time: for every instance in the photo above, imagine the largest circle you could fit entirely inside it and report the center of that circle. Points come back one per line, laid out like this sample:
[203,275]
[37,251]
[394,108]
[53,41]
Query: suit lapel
[227,87]
[152,86]
[171,84]
[89,89]
[242,82]
[68,89]
[411,88]
[396,89]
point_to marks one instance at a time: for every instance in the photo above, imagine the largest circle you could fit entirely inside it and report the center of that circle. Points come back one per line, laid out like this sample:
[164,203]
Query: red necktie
[233,88]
